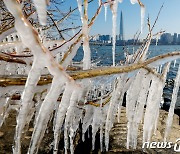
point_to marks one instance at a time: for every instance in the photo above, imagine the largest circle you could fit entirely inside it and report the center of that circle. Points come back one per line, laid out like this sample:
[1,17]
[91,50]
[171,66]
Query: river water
[102,55]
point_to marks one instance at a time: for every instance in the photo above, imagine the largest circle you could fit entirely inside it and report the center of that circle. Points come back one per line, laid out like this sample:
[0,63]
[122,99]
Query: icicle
[142,17]
[142,11]
[4,103]
[153,104]
[105,11]
[85,31]
[62,109]
[71,55]
[114,8]
[72,121]
[42,58]
[135,101]
[27,96]
[101,137]
[164,60]
[175,63]
[151,109]
[99,1]
[45,113]
[87,120]
[41,10]
[95,124]
[79,2]
[117,94]
[173,102]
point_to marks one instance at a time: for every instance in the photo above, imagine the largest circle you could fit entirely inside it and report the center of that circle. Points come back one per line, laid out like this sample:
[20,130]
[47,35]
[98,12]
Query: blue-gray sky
[169,19]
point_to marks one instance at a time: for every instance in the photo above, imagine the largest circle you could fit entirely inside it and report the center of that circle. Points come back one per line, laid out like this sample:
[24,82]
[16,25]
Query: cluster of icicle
[140,87]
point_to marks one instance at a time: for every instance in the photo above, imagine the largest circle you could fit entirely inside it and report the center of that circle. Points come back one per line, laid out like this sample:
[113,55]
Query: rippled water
[102,55]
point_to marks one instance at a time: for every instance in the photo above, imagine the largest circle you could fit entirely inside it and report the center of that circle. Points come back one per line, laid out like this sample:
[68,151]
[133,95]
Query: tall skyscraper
[121,30]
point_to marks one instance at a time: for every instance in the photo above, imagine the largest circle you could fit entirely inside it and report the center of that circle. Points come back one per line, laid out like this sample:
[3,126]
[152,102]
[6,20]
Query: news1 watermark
[163,145]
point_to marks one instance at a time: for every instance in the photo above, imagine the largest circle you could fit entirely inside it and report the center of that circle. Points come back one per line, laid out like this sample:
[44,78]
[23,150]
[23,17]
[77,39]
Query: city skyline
[168,19]
[165,39]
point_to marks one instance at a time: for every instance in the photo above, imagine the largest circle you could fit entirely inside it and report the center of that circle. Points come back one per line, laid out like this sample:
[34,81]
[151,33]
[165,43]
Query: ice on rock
[172,106]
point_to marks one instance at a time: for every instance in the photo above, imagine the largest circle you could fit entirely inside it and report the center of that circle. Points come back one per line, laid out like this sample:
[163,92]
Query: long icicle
[44,57]
[173,102]
[114,7]
[62,109]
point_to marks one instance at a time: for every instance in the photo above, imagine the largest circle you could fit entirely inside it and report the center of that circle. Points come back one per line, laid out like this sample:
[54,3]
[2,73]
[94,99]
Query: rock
[118,135]
[1,134]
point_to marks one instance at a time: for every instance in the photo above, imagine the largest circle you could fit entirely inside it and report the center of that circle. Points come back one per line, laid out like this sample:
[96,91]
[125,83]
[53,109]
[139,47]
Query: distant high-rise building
[166,38]
[104,38]
[121,28]
[178,39]
[175,38]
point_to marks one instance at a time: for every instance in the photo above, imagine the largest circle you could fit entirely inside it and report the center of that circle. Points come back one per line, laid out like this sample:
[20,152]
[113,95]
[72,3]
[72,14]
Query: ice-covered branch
[155,61]
[42,58]
[8,58]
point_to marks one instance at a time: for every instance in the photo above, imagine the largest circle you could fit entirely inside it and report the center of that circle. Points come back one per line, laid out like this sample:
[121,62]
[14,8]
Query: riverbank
[118,136]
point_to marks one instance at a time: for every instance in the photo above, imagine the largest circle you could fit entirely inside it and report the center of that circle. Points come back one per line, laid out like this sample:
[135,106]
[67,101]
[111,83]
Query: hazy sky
[169,18]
